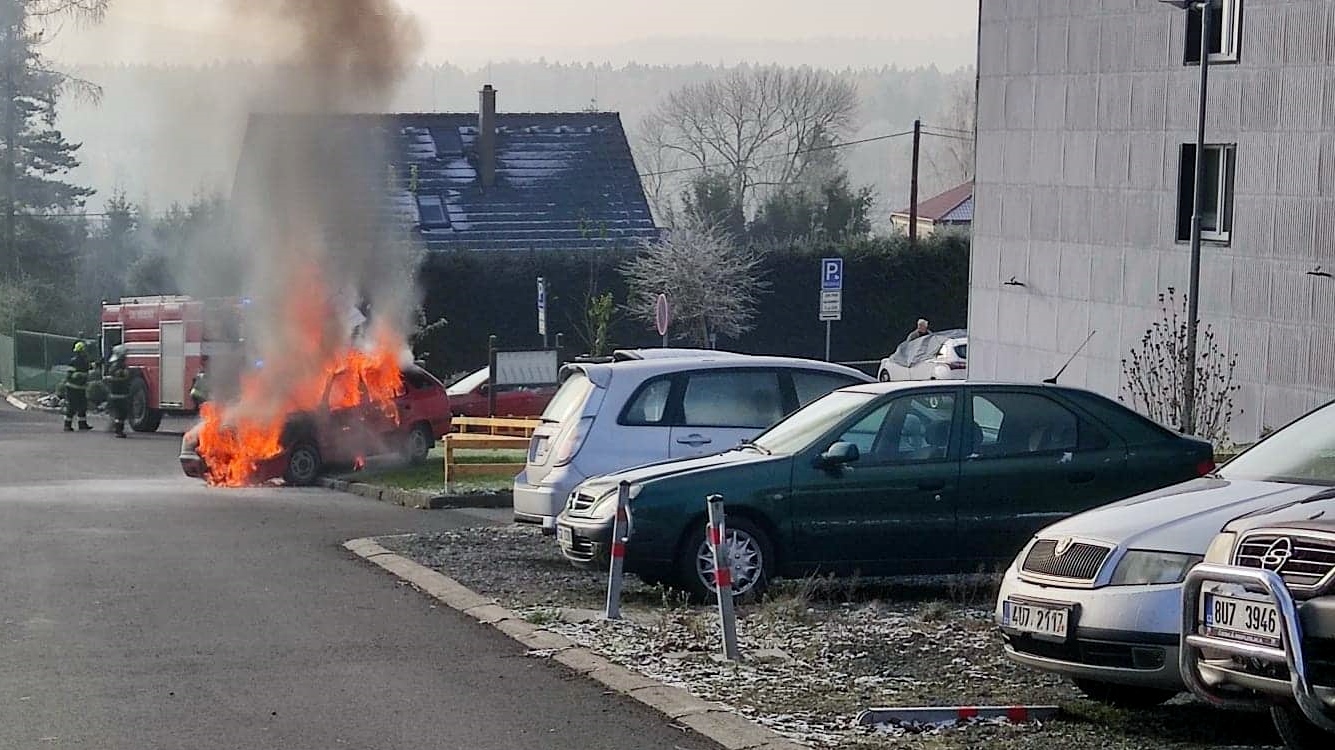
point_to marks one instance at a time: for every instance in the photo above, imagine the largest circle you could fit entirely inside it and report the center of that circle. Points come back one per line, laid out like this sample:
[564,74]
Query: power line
[827,147]
[943,127]
[944,135]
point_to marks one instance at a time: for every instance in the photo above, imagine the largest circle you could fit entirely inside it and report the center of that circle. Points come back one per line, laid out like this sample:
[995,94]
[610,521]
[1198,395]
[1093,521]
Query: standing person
[117,376]
[76,388]
[920,331]
[199,388]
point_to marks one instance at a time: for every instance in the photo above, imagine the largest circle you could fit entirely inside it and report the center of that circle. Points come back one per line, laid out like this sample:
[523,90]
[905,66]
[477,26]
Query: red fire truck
[166,339]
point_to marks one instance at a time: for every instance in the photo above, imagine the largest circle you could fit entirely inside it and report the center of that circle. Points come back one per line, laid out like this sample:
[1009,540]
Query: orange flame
[238,440]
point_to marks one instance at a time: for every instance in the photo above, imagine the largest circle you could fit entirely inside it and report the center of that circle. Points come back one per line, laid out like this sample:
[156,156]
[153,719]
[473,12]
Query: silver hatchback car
[610,416]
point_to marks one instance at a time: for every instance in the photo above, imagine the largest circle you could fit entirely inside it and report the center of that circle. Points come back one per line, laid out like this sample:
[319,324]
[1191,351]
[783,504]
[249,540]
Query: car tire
[142,418]
[751,575]
[883,376]
[1297,732]
[1123,696]
[417,444]
[303,464]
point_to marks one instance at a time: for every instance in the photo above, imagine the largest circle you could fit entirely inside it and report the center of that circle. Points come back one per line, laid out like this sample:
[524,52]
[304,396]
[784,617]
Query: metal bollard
[717,533]
[620,535]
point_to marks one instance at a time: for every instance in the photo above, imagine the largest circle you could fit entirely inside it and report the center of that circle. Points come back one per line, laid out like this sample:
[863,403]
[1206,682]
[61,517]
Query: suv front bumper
[1246,675]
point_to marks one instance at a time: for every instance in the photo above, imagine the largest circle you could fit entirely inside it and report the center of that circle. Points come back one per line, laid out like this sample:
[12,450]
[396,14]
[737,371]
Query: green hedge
[888,285]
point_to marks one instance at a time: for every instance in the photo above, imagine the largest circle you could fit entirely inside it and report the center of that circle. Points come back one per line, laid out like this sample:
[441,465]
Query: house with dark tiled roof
[490,181]
[951,210]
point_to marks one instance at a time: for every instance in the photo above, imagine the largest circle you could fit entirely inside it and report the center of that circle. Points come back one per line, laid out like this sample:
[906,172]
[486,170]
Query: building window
[1217,208]
[1225,32]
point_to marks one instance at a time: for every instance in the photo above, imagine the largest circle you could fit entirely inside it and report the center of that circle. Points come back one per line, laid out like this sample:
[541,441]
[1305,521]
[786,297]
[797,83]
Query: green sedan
[884,479]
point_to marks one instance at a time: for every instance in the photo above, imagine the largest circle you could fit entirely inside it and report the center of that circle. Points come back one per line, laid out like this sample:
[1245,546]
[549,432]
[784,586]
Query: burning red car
[350,423]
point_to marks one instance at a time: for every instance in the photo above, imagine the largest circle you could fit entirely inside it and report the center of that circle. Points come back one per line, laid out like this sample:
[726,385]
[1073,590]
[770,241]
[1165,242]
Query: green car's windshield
[1303,453]
[803,426]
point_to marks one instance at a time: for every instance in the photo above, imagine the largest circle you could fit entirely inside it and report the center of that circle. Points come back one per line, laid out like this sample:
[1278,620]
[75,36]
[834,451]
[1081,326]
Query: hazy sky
[471,33]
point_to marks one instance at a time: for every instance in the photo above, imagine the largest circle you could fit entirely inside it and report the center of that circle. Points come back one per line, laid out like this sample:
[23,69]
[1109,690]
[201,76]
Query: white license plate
[565,537]
[1045,621]
[1236,619]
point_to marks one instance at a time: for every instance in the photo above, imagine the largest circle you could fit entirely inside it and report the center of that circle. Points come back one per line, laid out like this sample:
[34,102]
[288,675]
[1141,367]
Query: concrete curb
[414,498]
[16,403]
[709,719]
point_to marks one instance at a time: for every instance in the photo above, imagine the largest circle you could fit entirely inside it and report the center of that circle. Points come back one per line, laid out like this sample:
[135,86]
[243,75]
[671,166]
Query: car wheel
[752,561]
[1123,696]
[303,464]
[884,376]
[1296,731]
[418,443]
[142,418]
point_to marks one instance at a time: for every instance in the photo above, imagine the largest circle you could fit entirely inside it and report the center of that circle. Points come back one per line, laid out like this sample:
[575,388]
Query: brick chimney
[486,136]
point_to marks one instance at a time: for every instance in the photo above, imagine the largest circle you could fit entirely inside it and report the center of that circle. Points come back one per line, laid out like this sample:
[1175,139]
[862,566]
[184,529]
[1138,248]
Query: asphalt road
[140,609]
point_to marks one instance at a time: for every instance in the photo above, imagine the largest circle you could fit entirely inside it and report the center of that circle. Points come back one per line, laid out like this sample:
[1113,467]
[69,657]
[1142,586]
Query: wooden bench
[496,425]
[481,441]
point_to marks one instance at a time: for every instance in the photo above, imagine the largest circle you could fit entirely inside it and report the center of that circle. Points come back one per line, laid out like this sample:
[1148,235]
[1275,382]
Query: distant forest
[167,134]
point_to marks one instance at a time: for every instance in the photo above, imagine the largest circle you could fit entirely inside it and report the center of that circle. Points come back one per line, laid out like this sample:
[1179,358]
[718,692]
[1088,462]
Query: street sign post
[662,316]
[831,295]
[542,310]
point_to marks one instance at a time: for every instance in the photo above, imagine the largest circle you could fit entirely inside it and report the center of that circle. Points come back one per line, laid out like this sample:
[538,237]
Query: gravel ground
[817,652]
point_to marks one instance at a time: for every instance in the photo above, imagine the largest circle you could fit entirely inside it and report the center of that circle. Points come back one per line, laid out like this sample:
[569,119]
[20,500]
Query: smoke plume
[311,190]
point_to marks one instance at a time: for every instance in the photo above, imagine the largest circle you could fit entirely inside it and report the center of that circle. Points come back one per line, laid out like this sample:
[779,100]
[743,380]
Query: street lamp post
[1188,413]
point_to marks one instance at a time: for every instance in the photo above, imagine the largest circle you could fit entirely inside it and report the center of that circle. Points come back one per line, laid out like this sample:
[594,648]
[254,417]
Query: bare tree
[952,154]
[1154,370]
[757,125]
[711,283]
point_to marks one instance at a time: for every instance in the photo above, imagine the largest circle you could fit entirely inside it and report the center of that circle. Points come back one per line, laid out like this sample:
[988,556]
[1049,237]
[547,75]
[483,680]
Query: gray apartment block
[1083,109]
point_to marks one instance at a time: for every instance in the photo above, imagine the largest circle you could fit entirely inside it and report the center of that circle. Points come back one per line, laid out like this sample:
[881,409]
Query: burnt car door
[892,509]
[1030,459]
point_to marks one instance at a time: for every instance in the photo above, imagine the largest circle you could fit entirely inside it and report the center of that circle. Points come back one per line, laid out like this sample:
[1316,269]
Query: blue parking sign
[832,273]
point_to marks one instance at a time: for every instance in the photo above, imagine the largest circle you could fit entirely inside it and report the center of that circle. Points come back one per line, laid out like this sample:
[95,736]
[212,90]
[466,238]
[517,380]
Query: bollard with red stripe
[947,715]
[717,534]
[620,535]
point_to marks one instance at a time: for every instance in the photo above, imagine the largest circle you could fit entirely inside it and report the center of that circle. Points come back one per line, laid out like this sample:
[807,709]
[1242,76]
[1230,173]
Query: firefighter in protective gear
[76,388]
[199,388]
[117,377]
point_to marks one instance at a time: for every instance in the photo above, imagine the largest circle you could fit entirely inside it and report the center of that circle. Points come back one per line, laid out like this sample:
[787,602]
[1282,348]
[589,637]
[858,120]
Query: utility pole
[1194,277]
[913,185]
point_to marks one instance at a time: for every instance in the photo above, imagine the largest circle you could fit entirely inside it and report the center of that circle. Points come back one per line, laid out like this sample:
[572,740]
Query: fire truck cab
[167,340]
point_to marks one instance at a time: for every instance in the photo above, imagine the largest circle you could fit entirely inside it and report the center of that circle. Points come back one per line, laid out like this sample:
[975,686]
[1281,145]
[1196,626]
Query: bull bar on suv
[1216,668]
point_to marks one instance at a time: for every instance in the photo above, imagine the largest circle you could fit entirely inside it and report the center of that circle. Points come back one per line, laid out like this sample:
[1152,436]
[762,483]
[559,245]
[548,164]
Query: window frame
[872,458]
[1230,35]
[1224,190]
[684,381]
[1090,436]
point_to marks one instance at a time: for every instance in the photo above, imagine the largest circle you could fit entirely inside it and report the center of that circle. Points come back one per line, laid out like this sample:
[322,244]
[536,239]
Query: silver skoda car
[1098,597]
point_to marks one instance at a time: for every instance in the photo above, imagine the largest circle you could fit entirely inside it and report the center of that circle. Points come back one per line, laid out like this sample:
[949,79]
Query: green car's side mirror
[839,454]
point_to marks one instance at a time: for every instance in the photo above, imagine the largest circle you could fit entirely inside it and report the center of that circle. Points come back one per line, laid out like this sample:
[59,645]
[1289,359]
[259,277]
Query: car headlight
[1221,548]
[606,505]
[1141,567]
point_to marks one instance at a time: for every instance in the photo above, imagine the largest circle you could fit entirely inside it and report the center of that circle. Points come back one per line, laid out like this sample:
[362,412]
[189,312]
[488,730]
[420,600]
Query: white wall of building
[1082,108]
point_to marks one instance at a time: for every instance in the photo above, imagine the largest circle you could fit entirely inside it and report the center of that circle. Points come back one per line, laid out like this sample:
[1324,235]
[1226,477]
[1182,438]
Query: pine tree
[34,155]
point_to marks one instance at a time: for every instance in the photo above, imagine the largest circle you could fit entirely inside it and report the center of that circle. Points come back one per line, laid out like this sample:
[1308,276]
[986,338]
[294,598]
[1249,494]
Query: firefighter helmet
[118,353]
[79,346]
